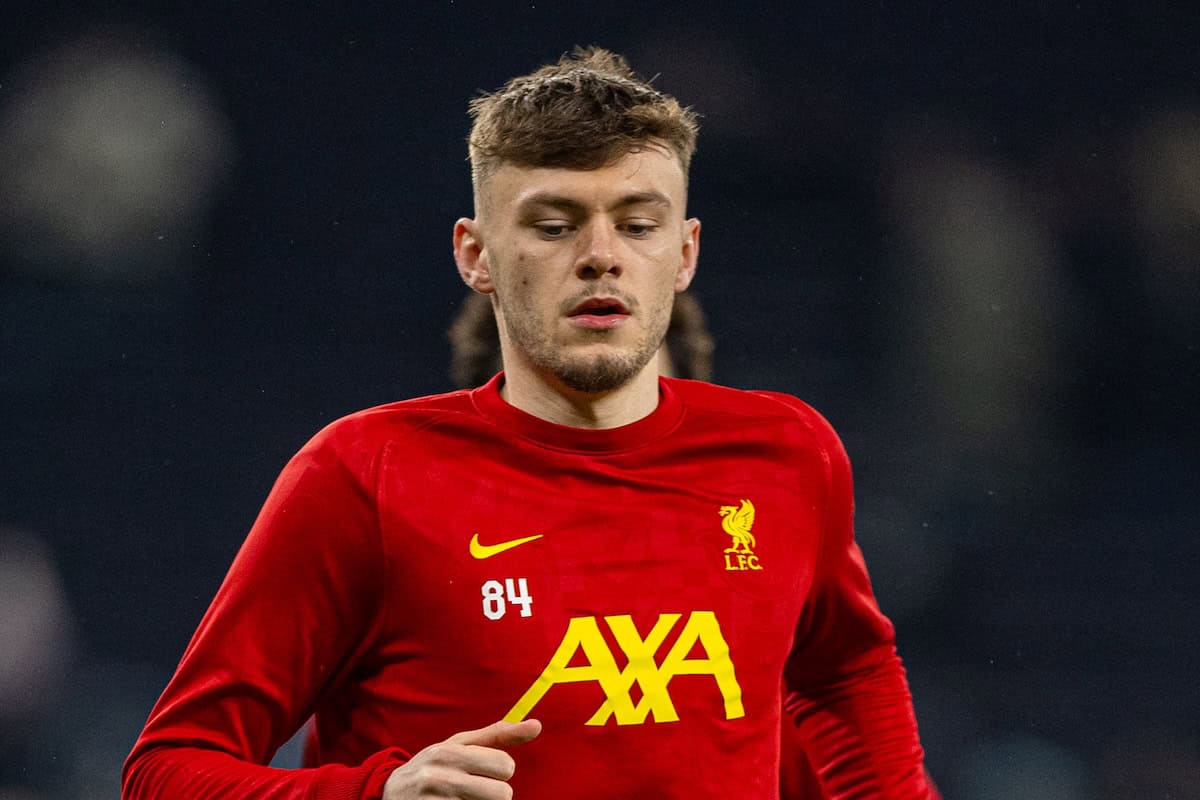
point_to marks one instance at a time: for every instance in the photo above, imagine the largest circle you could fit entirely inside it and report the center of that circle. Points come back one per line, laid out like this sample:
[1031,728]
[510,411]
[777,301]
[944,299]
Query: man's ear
[690,254]
[470,256]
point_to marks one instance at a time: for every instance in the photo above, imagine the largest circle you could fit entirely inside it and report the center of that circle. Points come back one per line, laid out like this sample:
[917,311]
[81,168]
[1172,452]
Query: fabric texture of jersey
[434,565]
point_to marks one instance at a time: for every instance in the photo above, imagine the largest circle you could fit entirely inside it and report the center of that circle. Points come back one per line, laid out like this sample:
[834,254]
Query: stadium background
[971,239]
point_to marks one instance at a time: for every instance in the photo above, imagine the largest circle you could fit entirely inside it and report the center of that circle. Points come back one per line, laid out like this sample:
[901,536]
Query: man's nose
[597,252]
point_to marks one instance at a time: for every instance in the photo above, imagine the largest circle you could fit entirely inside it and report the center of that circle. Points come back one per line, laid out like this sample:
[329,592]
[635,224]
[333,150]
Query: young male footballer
[580,580]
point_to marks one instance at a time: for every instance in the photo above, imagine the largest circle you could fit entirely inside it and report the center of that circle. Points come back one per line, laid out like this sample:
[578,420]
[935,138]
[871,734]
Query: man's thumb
[500,734]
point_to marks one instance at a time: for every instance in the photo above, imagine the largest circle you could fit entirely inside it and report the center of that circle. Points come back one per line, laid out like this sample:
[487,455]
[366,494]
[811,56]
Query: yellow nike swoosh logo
[488,550]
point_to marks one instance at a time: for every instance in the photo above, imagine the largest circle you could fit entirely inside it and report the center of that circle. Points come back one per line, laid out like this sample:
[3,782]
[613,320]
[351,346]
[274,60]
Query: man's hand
[467,766]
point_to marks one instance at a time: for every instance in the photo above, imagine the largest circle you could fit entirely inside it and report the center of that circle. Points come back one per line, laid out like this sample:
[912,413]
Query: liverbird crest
[737,522]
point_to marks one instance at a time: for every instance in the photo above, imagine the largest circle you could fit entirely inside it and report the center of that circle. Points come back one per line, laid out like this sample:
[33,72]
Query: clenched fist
[467,766]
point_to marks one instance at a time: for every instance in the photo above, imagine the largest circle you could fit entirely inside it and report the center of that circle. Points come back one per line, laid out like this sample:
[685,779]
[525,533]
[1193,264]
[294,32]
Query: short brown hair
[475,341]
[583,112]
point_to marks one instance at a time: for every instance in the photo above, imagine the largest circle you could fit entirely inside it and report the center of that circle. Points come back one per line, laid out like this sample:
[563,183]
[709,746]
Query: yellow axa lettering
[583,636]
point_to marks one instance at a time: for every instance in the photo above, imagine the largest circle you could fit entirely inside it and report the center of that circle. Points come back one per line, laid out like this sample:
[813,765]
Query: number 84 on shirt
[497,597]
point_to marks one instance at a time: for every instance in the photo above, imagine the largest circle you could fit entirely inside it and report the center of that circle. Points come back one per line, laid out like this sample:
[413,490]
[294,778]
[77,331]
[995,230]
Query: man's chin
[598,375]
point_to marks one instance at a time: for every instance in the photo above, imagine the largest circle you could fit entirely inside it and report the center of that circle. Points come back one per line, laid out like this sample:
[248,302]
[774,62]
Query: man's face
[585,264]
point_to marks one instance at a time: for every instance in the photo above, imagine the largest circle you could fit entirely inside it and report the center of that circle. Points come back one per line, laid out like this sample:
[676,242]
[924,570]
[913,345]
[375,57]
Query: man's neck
[547,398]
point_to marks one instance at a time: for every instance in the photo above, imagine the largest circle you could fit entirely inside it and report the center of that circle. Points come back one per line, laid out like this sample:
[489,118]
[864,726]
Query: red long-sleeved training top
[437,564]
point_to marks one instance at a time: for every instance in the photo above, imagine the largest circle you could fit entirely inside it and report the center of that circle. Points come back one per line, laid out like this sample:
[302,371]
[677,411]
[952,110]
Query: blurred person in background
[37,647]
[114,148]
[605,571]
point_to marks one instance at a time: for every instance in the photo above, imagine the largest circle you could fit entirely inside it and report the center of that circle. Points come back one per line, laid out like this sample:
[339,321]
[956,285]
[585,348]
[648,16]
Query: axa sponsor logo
[700,632]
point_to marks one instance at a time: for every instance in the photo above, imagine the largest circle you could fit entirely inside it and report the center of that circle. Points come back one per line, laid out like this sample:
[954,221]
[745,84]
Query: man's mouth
[599,312]
[600,306]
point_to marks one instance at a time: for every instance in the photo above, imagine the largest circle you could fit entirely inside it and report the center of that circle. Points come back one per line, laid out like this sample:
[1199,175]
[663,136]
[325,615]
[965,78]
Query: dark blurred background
[970,238]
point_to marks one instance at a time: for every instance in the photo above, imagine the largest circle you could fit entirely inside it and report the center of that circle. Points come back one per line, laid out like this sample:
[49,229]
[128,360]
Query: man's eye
[551,231]
[638,229]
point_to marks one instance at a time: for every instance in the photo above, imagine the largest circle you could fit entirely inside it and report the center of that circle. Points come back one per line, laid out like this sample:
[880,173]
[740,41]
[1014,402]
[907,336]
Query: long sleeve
[847,690]
[299,606]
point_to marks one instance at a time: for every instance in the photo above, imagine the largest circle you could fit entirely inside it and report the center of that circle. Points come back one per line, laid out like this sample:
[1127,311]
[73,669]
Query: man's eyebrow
[650,197]
[551,200]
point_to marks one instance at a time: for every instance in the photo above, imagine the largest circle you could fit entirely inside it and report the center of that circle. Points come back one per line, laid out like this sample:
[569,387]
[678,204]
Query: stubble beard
[589,373]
